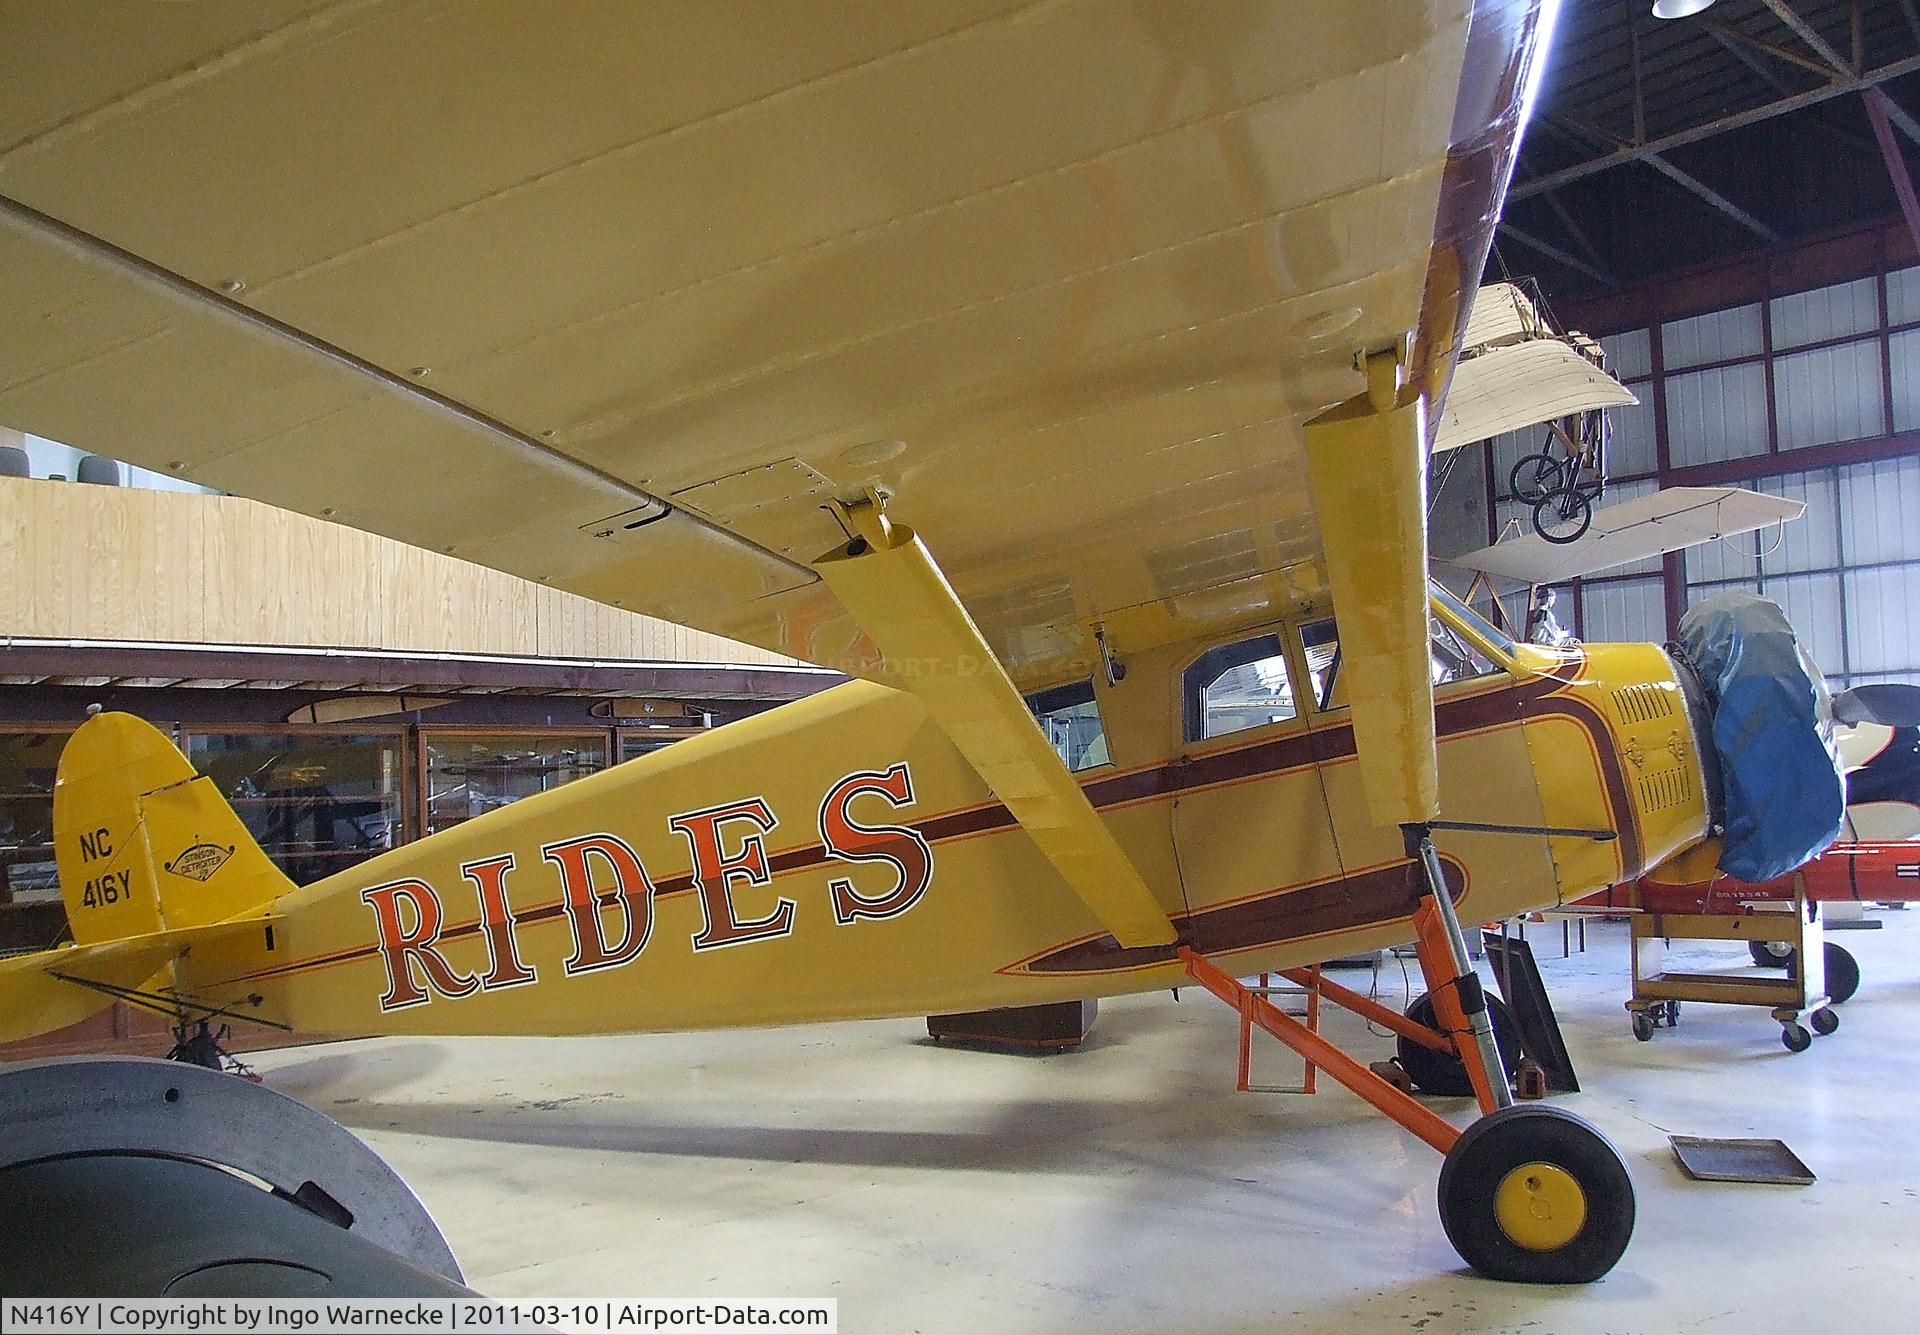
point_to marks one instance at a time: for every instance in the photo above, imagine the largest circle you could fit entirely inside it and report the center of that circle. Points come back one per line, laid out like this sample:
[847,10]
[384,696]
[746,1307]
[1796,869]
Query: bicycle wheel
[1535,477]
[1563,516]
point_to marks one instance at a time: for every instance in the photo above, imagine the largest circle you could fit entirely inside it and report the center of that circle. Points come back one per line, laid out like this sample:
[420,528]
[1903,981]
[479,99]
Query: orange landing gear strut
[1534,1194]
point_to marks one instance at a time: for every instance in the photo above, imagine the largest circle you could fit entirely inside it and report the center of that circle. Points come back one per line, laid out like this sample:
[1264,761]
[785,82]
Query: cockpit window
[1238,686]
[1454,657]
[1480,626]
[1070,717]
[1320,640]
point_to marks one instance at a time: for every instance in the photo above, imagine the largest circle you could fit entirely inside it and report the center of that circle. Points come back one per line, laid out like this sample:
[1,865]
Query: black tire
[1564,516]
[1509,1142]
[1642,1026]
[1795,1037]
[1436,1072]
[1843,972]
[1825,1021]
[1534,477]
[1771,954]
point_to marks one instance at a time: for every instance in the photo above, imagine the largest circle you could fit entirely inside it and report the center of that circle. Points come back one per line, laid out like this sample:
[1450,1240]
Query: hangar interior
[1161,504]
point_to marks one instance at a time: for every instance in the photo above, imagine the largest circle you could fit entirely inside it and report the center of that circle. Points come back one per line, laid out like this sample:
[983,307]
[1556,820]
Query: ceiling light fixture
[1680,9]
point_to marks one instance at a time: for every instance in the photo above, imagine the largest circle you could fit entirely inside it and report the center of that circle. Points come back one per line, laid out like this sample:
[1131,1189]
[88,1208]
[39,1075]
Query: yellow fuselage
[837,858]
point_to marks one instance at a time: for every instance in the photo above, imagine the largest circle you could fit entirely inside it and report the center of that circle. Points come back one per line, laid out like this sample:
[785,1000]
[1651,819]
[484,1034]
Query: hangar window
[1238,686]
[318,801]
[471,773]
[1070,718]
[30,914]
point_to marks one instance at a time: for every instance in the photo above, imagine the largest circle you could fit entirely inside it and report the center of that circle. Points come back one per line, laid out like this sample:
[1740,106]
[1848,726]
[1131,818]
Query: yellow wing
[620,296]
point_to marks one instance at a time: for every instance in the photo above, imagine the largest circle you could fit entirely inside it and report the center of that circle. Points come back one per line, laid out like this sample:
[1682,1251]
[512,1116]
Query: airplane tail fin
[143,844]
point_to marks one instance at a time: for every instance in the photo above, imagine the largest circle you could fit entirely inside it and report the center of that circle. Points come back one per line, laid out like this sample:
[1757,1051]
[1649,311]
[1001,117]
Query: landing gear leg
[1458,997]
[1534,1193]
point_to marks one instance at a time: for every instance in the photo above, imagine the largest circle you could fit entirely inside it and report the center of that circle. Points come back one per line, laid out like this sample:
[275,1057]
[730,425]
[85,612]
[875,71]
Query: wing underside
[621,302]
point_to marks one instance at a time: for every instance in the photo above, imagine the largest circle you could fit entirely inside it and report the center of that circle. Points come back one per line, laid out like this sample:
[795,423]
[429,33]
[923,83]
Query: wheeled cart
[1658,992]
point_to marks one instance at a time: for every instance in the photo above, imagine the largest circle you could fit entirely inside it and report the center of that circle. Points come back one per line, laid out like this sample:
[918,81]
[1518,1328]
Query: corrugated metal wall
[1848,572]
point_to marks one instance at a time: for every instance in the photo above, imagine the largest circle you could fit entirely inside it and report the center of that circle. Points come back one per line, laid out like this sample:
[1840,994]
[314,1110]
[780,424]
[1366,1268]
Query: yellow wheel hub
[1540,1206]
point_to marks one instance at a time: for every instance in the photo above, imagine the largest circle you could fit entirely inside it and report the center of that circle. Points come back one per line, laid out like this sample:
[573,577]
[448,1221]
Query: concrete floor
[1127,1186]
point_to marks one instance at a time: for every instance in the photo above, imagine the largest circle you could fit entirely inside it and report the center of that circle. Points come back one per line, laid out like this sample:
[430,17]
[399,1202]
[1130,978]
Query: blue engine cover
[1785,797]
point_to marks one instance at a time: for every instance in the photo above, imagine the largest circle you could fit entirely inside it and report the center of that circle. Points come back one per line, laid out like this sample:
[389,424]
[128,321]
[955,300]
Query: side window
[1454,657]
[1071,720]
[1320,642]
[1238,686]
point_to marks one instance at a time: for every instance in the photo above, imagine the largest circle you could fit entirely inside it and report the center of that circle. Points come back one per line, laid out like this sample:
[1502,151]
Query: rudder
[144,844]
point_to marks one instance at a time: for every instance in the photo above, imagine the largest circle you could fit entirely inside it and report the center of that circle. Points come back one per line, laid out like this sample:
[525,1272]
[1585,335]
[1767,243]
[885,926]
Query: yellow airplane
[1140,317]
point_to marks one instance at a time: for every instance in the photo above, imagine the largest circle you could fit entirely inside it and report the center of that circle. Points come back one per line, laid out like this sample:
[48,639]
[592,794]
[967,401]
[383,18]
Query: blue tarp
[1784,793]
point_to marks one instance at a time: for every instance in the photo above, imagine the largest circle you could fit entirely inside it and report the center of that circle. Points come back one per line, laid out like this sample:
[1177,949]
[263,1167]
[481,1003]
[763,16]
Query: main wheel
[1843,972]
[1438,1072]
[1771,954]
[1534,476]
[1563,516]
[1538,1195]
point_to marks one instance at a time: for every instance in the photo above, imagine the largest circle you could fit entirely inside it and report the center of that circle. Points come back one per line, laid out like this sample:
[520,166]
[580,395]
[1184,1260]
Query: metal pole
[1474,1004]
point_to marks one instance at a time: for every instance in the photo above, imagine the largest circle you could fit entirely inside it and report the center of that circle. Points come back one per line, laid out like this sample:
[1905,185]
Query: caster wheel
[1843,973]
[1771,954]
[1538,1195]
[1440,1074]
[1673,1015]
[1642,1026]
[1795,1037]
[1825,1021]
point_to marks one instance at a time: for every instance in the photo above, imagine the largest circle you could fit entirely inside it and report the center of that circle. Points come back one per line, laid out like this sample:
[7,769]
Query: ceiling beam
[1700,189]
[1901,120]
[1708,129]
[1579,235]
[1819,45]
[1896,164]
[1553,252]
[1805,32]
[1734,39]
[1686,180]
[1770,75]
[1785,12]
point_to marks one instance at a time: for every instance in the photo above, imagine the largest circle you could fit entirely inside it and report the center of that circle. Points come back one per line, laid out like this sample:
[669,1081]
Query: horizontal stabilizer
[50,989]
[1665,521]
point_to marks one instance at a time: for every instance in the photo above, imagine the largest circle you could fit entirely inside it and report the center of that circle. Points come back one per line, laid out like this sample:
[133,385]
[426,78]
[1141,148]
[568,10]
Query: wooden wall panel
[121,563]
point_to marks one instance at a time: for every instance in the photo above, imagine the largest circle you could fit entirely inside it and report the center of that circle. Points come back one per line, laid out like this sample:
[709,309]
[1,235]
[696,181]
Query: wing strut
[889,583]
[1367,460]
